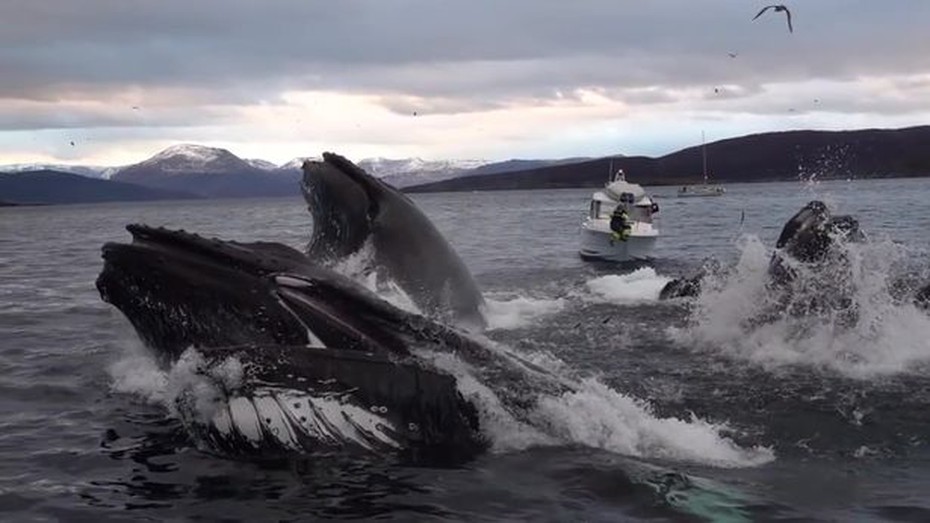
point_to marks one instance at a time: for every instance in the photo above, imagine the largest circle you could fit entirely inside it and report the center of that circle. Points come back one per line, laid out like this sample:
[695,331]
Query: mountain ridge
[210,172]
[54,187]
[772,156]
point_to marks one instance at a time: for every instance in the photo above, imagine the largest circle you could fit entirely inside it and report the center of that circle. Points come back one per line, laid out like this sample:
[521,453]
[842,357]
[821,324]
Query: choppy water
[685,414]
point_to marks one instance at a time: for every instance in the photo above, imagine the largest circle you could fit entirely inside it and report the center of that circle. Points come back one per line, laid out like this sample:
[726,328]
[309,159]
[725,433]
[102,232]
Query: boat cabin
[638,205]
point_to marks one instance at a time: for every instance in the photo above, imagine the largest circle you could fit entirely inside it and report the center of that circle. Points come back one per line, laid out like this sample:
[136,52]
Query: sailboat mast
[704,157]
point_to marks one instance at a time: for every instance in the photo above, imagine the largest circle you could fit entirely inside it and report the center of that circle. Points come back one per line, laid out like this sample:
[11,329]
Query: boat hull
[600,245]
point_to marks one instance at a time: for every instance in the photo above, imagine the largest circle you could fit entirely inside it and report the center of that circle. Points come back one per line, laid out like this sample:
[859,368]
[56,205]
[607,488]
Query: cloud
[224,68]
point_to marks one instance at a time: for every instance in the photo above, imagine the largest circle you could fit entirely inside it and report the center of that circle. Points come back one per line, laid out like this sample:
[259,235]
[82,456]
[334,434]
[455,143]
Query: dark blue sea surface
[687,412]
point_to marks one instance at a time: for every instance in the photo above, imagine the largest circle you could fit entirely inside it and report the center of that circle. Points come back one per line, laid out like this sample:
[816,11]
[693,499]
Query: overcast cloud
[442,79]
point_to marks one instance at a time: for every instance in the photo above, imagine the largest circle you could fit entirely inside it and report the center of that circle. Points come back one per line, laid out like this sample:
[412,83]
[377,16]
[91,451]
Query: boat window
[595,209]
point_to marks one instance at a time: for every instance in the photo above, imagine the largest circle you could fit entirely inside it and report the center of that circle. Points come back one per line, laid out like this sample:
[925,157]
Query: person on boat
[620,224]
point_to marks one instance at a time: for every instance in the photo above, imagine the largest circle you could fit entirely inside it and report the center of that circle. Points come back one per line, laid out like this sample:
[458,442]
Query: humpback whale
[351,207]
[323,363]
[810,238]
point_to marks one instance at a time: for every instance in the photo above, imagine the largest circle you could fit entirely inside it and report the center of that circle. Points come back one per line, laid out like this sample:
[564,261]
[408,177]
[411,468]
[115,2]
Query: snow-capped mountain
[189,158]
[258,163]
[393,170]
[386,167]
[185,161]
[82,170]
[415,171]
[207,171]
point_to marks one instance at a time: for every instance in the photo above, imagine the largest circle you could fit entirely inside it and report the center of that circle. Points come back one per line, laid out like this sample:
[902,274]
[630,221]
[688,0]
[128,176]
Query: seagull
[733,55]
[778,9]
[72,144]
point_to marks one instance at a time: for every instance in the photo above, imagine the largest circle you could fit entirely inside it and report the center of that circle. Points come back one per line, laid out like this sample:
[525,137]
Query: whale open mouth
[326,362]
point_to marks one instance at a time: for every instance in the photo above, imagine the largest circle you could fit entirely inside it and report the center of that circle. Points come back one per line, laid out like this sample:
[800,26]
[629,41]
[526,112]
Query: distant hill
[208,172]
[83,170]
[47,186]
[519,165]
[760,157]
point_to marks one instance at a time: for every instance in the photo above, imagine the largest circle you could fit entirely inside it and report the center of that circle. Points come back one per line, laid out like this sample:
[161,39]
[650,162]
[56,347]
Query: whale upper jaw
[181,290]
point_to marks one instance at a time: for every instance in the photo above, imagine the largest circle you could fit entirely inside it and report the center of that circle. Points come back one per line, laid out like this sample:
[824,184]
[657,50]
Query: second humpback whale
[351,207]
[813,238]
[811,271]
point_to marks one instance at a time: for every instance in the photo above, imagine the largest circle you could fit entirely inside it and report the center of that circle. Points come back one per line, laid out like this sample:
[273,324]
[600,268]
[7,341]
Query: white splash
[359,266]
[137,373]
[519,311]
[505,432]
[643,284]
[597,416]
[889,336]
[201,384]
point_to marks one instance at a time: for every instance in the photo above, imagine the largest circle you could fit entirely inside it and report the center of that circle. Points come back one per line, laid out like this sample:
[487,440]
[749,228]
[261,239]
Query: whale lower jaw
[301,400]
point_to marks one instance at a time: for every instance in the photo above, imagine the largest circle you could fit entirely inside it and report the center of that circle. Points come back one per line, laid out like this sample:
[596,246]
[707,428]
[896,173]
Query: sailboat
[706,189]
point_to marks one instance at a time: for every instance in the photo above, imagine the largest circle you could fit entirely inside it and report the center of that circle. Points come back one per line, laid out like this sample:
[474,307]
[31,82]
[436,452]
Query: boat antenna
[610,170]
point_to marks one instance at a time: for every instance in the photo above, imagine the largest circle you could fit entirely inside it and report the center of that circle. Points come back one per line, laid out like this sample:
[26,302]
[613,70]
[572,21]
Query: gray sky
[446,79]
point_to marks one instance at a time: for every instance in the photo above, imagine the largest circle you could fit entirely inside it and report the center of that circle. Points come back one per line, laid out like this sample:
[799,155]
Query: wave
[594,415]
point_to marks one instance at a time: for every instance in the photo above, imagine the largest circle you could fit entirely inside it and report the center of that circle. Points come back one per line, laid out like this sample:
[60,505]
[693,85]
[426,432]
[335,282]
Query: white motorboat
[597,240]
[705,189]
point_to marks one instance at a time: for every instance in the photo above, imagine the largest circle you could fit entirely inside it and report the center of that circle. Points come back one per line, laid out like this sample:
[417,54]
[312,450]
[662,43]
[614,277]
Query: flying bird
[779,8]
[733,55]
[72,144]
